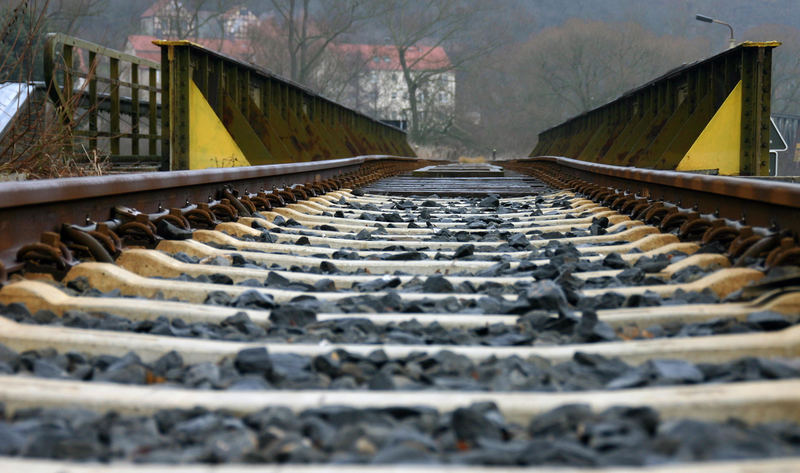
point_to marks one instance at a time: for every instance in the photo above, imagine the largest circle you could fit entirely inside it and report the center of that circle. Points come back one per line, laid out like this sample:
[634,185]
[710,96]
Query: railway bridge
[210,110]
[295,291]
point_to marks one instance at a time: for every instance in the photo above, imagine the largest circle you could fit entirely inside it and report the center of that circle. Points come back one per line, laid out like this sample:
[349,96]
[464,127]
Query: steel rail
[749,201]
[29,208]
[153,275]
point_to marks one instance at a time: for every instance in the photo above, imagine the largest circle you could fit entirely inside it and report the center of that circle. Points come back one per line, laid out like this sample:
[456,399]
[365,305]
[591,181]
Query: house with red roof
[373,80]
[171,19]
[383,91]
[180,20]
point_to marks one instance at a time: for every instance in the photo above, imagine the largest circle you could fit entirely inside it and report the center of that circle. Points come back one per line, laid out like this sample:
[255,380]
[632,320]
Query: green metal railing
[655,125]
[108,99]
[272,119]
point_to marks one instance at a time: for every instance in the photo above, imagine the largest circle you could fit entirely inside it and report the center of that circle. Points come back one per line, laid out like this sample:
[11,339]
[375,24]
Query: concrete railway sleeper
[330,323]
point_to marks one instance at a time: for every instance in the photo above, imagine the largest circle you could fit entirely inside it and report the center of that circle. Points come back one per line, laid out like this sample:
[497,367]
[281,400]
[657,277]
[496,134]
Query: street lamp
[706,19]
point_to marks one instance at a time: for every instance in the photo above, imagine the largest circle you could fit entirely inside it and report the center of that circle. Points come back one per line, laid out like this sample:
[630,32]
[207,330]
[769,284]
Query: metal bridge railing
[108,99]
[710,116]
[217,111]
[264,119]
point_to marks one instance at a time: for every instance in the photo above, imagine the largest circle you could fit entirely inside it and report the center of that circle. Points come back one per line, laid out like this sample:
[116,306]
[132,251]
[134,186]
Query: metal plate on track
[460,170]
[459,180]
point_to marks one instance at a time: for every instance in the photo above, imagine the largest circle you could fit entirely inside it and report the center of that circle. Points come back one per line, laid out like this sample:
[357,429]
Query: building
[382,91]
[238,23]
[176,20]
[170,19]
[367,77]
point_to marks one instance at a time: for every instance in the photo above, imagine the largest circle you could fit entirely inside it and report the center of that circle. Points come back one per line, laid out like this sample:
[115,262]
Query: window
[394,95]
[386,59]
[376,59]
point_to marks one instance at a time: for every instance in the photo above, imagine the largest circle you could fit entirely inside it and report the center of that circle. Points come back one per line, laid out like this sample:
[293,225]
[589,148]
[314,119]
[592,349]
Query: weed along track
[357,314]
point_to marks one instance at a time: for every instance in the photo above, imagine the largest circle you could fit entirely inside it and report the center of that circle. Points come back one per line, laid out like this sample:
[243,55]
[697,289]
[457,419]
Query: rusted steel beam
[708,115]
[270,118]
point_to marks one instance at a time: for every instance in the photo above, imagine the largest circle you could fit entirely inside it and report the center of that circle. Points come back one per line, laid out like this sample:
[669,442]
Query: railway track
[359,315]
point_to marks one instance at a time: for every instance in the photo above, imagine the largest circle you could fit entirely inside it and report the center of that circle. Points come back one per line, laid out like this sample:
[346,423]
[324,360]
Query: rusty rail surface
[177,248]
[739,212]
[30,211]
[750,216]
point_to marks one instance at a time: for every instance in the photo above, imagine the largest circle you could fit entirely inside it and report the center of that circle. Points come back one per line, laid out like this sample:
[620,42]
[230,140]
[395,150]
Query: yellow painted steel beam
[638,149]
[595,142]
[662,140]
[210,144]
[717,147]
[633,129]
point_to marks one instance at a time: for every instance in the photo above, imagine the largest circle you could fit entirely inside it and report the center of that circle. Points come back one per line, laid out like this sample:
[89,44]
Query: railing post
[152,127]
[166,109]
[114,118]
[93,63]
[66,54]
[134,109]
[175,84]
[756,89]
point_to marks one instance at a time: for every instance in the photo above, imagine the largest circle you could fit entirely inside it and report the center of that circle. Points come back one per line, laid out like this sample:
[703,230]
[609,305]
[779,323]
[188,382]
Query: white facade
[379,88]
[170,19]
[385,94]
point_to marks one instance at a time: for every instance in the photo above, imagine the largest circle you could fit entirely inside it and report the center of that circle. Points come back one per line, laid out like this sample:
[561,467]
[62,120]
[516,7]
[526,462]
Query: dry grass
[38,144]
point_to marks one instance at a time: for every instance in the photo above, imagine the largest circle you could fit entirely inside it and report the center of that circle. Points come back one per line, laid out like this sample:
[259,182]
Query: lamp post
[706,19]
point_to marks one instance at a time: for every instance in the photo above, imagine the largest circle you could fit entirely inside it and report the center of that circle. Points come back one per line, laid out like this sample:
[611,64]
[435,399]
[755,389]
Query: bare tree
[418,30]
[70,16]
[338,74]
[33,142]
[21,39]
[267,47]
[334,73]
[309,27]
[561,72]
[186,19]
[584,64]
